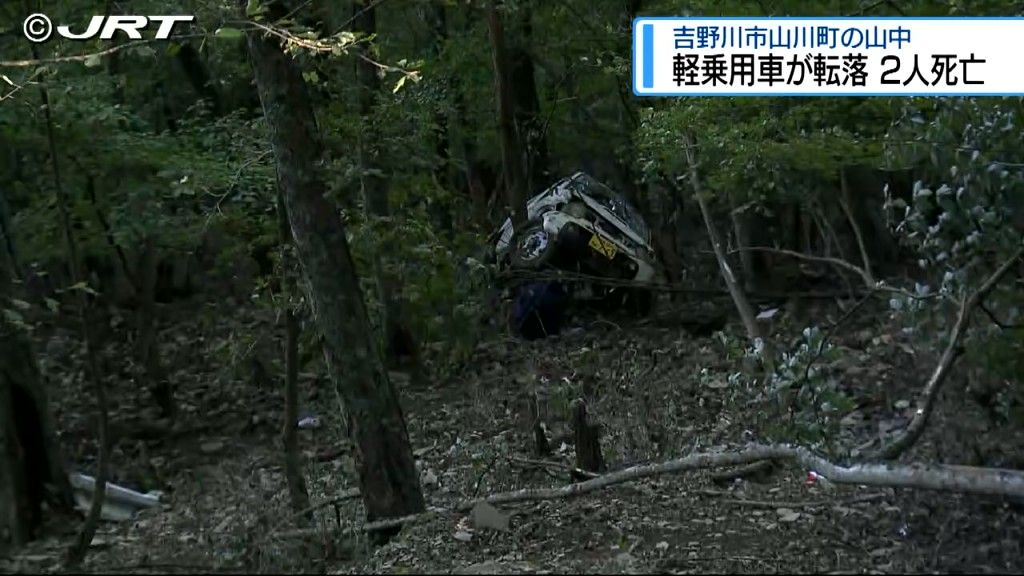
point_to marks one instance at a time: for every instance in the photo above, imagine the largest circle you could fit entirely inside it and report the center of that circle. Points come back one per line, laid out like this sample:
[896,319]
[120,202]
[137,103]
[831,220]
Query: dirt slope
[658,392]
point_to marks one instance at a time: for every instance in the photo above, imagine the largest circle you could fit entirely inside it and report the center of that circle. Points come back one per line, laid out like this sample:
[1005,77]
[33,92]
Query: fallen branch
[760,467]
[964,479]
[931,390]
[377,526]
[960,479]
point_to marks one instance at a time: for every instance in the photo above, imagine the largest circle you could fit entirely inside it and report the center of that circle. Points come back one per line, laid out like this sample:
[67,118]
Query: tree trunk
[289,438]
[587,439]
[844,202]
[123,269]
[511,145]
[442,213]
[829,238]
[199,77]
[399,343]
[30,457]
[739,297]
[478,191]
[664,206]
[436,14]
[742,232]
[388,480]
[528,126]
[80,547]
[146,350]
[29,454]
[7,237]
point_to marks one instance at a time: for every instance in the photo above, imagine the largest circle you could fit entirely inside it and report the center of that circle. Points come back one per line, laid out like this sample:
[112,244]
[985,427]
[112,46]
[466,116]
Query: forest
[277,295]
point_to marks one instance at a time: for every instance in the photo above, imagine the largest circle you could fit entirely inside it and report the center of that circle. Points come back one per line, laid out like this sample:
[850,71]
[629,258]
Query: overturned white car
[579,225]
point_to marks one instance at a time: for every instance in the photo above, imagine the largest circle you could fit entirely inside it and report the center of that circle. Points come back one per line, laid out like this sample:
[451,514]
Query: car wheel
[533,247]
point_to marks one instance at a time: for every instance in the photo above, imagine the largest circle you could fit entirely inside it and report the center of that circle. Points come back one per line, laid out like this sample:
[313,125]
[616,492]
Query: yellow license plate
[602,246]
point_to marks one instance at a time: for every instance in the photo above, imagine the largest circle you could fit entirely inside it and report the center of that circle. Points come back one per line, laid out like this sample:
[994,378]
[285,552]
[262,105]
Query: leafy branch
[338,43]
[18,87]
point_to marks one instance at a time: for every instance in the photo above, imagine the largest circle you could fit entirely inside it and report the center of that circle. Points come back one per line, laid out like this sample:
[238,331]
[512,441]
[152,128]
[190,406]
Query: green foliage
[768,150]
[811,398]
[999,362]
[964,218]
[444,283]
[966,208]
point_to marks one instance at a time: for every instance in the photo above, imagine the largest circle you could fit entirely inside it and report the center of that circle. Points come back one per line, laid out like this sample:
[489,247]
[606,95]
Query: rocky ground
[660,388]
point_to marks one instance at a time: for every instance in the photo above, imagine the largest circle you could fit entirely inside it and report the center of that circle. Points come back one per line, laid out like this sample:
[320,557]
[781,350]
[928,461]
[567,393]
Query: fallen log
[945,478]
[962,479]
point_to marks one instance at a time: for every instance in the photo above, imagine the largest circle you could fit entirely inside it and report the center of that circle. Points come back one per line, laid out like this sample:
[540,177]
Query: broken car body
[580,225]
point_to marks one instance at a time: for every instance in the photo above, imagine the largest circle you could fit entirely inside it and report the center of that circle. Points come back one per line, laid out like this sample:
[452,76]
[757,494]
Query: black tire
[533,247]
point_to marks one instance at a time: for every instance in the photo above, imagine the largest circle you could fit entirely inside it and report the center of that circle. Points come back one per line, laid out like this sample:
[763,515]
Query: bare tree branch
[736,291]
[869,282]
[931,390]
[844,203]
[84,57]
[825,259]
[991,315]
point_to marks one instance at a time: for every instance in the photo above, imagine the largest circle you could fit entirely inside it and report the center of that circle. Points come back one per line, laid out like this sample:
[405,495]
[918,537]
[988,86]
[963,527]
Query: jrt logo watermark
[39,28]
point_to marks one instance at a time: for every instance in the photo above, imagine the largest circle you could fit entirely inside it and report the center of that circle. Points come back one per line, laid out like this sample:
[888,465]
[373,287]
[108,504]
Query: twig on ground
[546,464]
[752,469]
[377,526]
[346,495]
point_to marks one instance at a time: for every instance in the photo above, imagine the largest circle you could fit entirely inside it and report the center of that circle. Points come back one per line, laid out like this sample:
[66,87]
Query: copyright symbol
[37,27]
